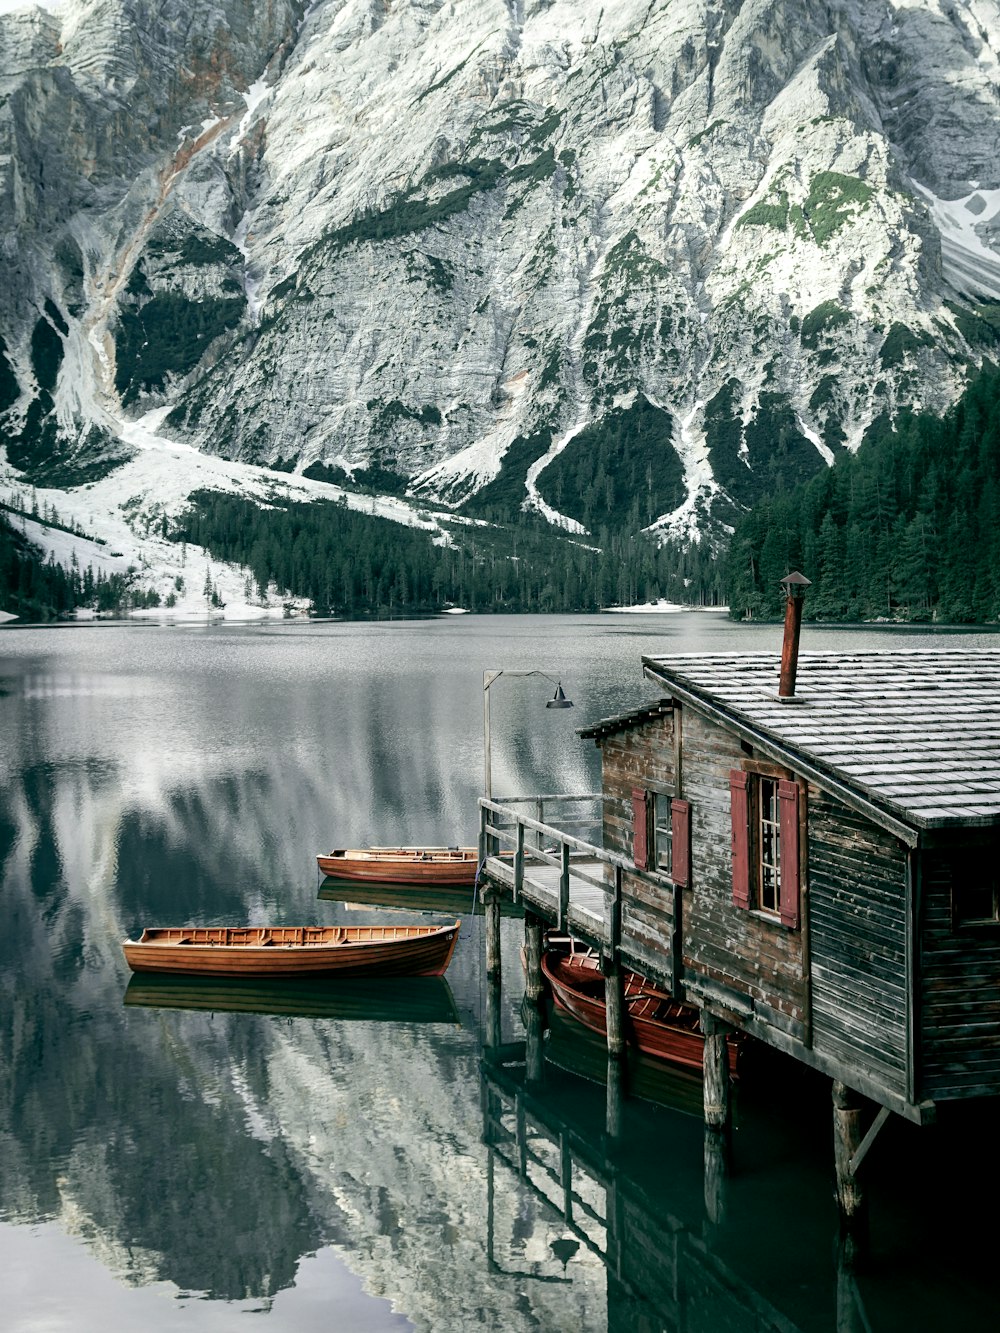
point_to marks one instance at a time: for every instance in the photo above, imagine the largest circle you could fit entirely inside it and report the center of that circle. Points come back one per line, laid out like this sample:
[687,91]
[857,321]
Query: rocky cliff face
[497,248]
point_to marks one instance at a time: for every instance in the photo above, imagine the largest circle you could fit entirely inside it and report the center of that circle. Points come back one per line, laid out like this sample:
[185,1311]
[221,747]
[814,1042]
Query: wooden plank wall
[857,923]
[635,758]
[641,757]
[731,946]
[739,950]
[959,989]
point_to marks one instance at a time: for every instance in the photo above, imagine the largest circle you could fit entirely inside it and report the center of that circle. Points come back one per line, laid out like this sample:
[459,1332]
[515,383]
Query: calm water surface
[351,1161]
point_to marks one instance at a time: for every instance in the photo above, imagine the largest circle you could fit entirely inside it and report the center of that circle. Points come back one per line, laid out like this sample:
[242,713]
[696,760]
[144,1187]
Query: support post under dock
[534,984]
[847,1137]
[614,1007]
[715,1084]
[492,899]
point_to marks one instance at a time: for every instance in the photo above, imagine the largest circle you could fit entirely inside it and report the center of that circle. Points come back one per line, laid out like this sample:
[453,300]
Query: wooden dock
[574,886]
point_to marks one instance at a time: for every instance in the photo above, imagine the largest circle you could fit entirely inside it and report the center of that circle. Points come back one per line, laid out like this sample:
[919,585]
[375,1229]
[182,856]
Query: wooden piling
[534,983]
[492,935]
[614,1004]
[715,1084]
[847,1111]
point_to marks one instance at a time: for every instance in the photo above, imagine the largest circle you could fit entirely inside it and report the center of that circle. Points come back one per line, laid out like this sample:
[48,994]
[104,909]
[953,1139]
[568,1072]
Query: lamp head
[795,584]
[559,699]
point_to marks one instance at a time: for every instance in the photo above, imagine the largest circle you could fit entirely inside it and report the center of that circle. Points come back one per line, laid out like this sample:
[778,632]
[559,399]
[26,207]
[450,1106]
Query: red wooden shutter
[788,803]
[640,827]
[680,823]
[739,799]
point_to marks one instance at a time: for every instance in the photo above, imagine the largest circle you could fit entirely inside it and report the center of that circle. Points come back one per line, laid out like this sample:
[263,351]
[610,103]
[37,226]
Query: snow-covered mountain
[460,242]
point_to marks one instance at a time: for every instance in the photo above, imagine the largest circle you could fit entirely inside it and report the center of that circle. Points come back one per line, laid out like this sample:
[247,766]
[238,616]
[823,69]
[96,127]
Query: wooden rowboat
[294,951]
[657,1024]
[402,865]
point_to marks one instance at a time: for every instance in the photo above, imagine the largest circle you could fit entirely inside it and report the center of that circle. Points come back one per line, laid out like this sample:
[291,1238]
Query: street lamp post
[558,700]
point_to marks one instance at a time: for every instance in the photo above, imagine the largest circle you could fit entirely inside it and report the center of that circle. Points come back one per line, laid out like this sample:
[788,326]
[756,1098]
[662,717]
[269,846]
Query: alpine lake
[347,1155]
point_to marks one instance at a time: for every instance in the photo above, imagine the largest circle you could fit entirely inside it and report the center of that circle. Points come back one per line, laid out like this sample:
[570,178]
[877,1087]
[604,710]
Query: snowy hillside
[457,248]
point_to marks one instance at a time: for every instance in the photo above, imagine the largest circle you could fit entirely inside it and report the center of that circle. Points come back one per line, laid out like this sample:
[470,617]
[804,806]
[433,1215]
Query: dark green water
[177,1160]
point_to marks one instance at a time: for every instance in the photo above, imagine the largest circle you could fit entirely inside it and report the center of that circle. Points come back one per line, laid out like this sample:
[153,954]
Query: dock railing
[572,880]
[574,884]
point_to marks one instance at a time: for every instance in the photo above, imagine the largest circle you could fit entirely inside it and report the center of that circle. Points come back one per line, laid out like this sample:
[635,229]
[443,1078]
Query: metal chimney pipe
[794,585]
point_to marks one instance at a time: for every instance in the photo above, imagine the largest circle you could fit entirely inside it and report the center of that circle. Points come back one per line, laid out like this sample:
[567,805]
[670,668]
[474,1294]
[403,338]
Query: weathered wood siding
[857,931]
[838,982]
[740,951]
[640,757]
[737,949]
[959,1054]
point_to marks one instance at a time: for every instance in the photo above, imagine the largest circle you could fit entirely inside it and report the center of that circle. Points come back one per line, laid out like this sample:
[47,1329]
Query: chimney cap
[795,580]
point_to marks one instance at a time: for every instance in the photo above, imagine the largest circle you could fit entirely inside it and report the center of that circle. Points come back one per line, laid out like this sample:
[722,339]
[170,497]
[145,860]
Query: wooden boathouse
[817,866]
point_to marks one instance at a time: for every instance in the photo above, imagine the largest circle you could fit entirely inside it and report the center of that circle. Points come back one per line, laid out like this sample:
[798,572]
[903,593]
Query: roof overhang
[624,721]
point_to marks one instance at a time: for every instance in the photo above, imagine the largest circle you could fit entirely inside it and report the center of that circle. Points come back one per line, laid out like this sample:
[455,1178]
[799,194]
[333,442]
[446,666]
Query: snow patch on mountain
[123,514]
[686,523]
[969,264]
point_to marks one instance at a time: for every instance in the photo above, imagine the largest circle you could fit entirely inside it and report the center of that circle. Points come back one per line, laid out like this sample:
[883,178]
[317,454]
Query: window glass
[662,834]
[769,863]
[975,893]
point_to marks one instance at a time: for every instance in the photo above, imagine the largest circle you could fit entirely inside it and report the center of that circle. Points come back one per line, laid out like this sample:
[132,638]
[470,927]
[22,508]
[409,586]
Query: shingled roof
[915,733]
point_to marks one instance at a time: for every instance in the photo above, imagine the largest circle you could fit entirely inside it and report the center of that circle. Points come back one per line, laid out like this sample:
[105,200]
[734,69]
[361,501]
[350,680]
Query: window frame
[662,798]
[785,861]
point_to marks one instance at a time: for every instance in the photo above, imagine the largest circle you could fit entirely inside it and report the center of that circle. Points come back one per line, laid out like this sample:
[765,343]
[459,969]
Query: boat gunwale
[348,937]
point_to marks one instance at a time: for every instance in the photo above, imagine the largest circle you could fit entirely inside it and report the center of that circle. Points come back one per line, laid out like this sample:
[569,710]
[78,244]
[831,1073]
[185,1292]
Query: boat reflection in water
[571,1047]
[360,999]
[444,898]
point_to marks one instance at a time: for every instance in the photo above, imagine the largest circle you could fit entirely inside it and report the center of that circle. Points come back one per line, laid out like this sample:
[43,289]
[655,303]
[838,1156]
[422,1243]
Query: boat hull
[403,865]
[677,1043]
[273,951]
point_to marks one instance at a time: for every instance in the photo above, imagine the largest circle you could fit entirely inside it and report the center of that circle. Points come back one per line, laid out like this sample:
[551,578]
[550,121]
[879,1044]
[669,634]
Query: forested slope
[907,528]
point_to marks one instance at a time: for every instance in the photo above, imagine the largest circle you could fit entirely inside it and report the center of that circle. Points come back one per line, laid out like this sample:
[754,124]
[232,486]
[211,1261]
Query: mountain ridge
[412,238]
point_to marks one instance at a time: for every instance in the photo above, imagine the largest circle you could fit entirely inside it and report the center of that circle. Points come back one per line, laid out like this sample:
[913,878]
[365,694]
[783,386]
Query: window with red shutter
[680,819]
[788,802]
[766,854]
[640,828]
[739,797]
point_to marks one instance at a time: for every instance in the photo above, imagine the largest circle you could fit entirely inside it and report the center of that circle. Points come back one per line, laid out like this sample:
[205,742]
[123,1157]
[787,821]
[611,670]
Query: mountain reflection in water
[348,1160]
